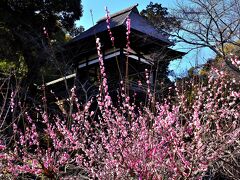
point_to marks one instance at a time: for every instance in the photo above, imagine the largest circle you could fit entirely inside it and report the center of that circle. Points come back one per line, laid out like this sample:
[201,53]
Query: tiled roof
[138,23]
[132,8]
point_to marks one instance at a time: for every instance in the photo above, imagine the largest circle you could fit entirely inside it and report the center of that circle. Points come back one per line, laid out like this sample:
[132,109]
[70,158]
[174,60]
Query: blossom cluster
[180,137]
[108,19]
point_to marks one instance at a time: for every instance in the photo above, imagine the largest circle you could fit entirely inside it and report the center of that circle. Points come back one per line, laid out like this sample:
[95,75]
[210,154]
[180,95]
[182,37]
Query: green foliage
[76,31]
[158,16]
[19,68]
[219,61]
[34,30]
[41,13]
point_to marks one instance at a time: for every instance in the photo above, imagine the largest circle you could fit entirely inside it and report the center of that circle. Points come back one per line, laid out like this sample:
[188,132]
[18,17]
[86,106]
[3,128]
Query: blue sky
[98,9]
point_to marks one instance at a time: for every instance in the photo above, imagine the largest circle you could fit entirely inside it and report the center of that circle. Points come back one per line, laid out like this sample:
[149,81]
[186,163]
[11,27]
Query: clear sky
[98,9]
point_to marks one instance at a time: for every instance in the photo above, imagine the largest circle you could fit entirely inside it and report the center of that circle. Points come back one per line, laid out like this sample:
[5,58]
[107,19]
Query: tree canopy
[28,27]
[38,14]
[159,17]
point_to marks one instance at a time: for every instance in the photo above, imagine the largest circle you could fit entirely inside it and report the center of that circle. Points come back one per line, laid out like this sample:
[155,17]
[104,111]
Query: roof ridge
[118,13]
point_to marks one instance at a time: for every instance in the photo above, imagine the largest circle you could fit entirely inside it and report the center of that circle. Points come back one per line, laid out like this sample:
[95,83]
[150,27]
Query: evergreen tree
[28,28]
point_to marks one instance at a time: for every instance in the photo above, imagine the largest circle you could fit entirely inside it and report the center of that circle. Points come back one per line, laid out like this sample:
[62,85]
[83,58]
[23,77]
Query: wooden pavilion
[145,43]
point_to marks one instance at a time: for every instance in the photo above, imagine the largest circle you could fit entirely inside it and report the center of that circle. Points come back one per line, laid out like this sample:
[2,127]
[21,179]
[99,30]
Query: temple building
[149,49]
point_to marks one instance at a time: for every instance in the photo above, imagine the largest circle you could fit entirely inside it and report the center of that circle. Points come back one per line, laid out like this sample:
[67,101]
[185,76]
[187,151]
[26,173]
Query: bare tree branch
[209,23]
